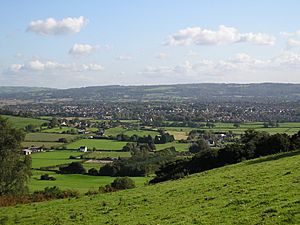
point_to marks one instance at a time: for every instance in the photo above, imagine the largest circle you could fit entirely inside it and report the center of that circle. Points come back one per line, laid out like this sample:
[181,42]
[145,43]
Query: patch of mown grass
[244,193]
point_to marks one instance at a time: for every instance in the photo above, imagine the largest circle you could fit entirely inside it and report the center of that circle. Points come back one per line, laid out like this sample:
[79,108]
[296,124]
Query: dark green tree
[15,169]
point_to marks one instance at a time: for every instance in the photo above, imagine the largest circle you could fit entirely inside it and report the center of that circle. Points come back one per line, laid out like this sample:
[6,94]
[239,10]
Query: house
[27,151]
[82,149]
[36,149]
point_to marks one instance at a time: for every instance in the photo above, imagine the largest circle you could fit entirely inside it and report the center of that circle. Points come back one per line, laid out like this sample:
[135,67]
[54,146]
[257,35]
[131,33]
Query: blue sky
[82,43]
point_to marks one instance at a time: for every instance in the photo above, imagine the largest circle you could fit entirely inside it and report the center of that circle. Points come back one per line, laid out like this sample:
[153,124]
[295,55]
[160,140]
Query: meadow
[39,144]
[53,158]
[106,154]
[22,122]
[288,128]
[78,182]
[48,137]
[98,144]
[260,191]
[129,132]
[180,147]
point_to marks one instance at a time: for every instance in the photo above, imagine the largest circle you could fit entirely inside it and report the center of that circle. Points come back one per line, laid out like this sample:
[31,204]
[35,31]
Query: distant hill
[260,191]
[203,91]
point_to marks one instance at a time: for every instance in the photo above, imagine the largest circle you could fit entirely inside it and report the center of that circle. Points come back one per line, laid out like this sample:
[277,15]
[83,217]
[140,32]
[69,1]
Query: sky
[75,43]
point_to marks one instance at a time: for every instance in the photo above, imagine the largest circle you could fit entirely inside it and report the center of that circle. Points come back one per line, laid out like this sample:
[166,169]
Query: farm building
[27,151]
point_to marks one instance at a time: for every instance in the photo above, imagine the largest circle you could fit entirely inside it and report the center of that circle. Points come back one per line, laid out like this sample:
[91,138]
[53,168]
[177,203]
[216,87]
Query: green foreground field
[260,191]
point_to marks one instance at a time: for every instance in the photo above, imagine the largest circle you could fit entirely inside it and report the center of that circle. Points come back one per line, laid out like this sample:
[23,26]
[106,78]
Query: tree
[121,183]
[15,169]
[73,168]
[53,122]
[199,146]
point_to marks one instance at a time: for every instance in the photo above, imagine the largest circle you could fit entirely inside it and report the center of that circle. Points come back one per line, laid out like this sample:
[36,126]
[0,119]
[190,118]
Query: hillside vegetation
[260,191]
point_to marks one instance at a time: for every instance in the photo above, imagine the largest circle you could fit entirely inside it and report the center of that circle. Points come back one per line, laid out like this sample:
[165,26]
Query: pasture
[48,137]
[180,147]
[260,191]
[53,158]
[288,128]
[79,182]
[129,132]
[45,144]
[22,122]
[98,144]
[106,154]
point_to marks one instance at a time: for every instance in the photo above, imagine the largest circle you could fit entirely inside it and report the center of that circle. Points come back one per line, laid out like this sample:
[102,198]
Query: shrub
[121,183]
[73,168]
[47,177]
[93,172]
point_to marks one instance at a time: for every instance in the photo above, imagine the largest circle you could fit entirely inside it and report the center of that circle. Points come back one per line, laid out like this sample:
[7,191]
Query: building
[27,151]
[83,149]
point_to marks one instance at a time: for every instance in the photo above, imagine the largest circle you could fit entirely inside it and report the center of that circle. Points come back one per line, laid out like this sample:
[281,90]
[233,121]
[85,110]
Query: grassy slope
[262,191]
[21,122]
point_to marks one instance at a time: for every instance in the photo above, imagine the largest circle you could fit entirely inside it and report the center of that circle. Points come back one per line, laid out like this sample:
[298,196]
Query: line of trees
[253,144]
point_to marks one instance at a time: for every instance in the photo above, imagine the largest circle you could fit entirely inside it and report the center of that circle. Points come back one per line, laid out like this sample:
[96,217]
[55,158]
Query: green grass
[105,154]
[58,129]
[48,137]
[180,147]
[261,191]
[120,130]
[46,144]
[53,158]
[99,144]
[22,122]
[81,183]
[288,128]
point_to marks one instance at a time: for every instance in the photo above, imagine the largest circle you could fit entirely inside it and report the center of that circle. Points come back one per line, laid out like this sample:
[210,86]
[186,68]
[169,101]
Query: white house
[27,151]
[83,149]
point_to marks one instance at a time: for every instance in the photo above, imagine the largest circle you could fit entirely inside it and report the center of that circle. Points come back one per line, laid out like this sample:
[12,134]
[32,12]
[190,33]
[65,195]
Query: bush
[47,177]
[121,183]
[93,172]
[73,168]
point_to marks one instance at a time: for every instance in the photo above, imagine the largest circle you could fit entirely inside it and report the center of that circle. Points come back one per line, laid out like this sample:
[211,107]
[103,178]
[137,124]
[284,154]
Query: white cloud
[293,43]
[124,58]
[240,63]
[52,66]
[162,55]
[51,26]
[224,35]
[93,67]
[82,49]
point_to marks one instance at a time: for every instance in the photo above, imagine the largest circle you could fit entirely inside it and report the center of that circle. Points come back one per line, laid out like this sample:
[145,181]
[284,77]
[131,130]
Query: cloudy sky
[72,43]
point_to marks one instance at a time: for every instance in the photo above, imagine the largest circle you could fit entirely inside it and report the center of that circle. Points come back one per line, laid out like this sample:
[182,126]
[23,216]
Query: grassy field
[180,147]
[81,183]
[288,128]
[261,191]
[105,154]
[22,122]
[45,144]
[48,137]
[53,158]
[58,130]
[99,144]
[120,130]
